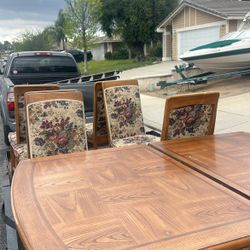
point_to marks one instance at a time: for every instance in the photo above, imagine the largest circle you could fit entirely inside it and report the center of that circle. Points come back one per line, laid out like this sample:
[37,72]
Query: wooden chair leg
[94,145]
[13,160]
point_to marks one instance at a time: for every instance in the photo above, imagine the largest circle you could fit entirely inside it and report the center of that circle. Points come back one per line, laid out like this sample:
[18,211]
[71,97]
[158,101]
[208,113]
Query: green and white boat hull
[215,58]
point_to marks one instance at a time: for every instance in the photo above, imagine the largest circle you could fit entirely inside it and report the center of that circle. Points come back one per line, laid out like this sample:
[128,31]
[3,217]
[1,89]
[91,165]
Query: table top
[224,158]
[125,198]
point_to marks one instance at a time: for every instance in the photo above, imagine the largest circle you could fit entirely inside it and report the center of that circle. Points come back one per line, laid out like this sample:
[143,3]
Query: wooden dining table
[225,158]
[133,197]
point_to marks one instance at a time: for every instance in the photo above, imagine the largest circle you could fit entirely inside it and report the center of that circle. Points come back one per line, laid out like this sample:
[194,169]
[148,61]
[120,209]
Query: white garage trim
[188,39]
[202,26]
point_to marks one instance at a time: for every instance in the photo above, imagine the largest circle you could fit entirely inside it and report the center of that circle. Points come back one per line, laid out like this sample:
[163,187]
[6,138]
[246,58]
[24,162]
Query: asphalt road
[3,163]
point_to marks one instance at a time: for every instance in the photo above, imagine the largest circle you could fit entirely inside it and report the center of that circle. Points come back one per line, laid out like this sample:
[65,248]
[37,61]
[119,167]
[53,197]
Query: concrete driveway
[234,104]
[233,113]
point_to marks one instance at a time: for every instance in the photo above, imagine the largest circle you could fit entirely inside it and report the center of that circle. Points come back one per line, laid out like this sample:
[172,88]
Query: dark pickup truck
[37,67]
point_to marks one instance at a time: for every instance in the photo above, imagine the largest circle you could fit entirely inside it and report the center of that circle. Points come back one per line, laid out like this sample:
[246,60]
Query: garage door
[193,38]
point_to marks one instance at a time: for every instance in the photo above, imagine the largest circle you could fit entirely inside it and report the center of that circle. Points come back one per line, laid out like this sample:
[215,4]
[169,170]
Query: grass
[111,65]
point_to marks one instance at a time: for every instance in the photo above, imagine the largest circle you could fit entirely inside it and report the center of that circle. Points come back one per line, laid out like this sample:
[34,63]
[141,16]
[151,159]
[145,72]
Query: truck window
[43,64]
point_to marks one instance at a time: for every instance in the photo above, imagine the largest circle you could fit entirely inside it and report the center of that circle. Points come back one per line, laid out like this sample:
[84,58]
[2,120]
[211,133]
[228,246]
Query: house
[197,22]
[103,45]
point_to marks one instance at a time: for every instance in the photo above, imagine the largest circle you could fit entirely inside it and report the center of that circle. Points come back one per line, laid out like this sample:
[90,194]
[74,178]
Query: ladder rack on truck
[200,78]
[111,75]
[86,84]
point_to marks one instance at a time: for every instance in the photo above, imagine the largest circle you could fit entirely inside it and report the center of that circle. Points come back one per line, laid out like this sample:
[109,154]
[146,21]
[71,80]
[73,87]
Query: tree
[59,27]
[135,20]
[33,40]
[82,22]
[56,33]
[7,45]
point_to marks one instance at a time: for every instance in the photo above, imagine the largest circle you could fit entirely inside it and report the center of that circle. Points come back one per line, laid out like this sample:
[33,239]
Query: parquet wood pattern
[124,198]
[224,158]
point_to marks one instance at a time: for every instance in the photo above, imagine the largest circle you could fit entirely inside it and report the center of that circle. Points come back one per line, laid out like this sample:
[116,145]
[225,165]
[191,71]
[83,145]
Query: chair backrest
[55,122]
[99,123]
[19,91]
[189,115]
[123,109]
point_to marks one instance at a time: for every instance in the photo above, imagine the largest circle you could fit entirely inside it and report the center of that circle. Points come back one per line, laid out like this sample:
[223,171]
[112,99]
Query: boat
[230,53]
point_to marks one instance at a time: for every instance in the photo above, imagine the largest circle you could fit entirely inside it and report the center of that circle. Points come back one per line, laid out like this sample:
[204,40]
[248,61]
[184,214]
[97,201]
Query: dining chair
[97,133]
[189,115]
[17,139]
[124,114]
[55,123]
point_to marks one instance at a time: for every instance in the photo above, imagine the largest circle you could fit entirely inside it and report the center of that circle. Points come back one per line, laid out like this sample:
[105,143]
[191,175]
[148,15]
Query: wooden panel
[186,16]
[192,17]
[204,18]
[232,25]
[174,46]
[169,46]
[178,21]
[224,158]
[123,198]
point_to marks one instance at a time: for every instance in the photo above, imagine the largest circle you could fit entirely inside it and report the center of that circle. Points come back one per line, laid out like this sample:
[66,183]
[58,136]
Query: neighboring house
[103,45]
[197,22]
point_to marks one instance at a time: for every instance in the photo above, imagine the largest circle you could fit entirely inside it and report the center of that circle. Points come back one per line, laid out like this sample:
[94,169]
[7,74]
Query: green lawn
[110,65]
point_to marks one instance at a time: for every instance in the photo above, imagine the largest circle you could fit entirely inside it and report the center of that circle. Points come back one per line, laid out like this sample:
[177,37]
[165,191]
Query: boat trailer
[200,78]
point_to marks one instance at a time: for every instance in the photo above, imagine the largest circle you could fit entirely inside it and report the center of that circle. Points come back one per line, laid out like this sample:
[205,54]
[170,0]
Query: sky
[17,16]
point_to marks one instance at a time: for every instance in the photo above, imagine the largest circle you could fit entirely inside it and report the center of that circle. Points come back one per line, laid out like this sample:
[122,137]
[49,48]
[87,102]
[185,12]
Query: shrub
[156,51]
[108,55]
[120,54]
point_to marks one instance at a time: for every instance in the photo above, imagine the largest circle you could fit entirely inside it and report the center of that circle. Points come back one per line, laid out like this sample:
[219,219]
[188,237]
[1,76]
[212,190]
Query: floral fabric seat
[12,138]
[89,130]
[137,139]
[189,115]
[19,145]
[124,114]
[19,149]
[55,126]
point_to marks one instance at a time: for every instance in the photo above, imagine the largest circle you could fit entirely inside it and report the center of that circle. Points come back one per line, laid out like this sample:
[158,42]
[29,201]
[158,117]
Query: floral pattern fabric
[101,128]
[22,119]
[89,130]
[56,127]
[137,139]
[12,138]
[188,121]
[20,150]
[124,111]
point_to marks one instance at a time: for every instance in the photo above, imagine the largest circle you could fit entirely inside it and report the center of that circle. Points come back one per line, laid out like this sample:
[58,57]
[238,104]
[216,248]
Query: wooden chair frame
[32,97]
[174,102]
[97,139]
[114,83]
[20,90]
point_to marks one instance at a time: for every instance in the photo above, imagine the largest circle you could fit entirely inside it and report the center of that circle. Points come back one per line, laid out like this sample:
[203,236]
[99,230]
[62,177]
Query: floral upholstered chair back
[20,113]
[100,122]
[56,123]
[123,108]
[190,115]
